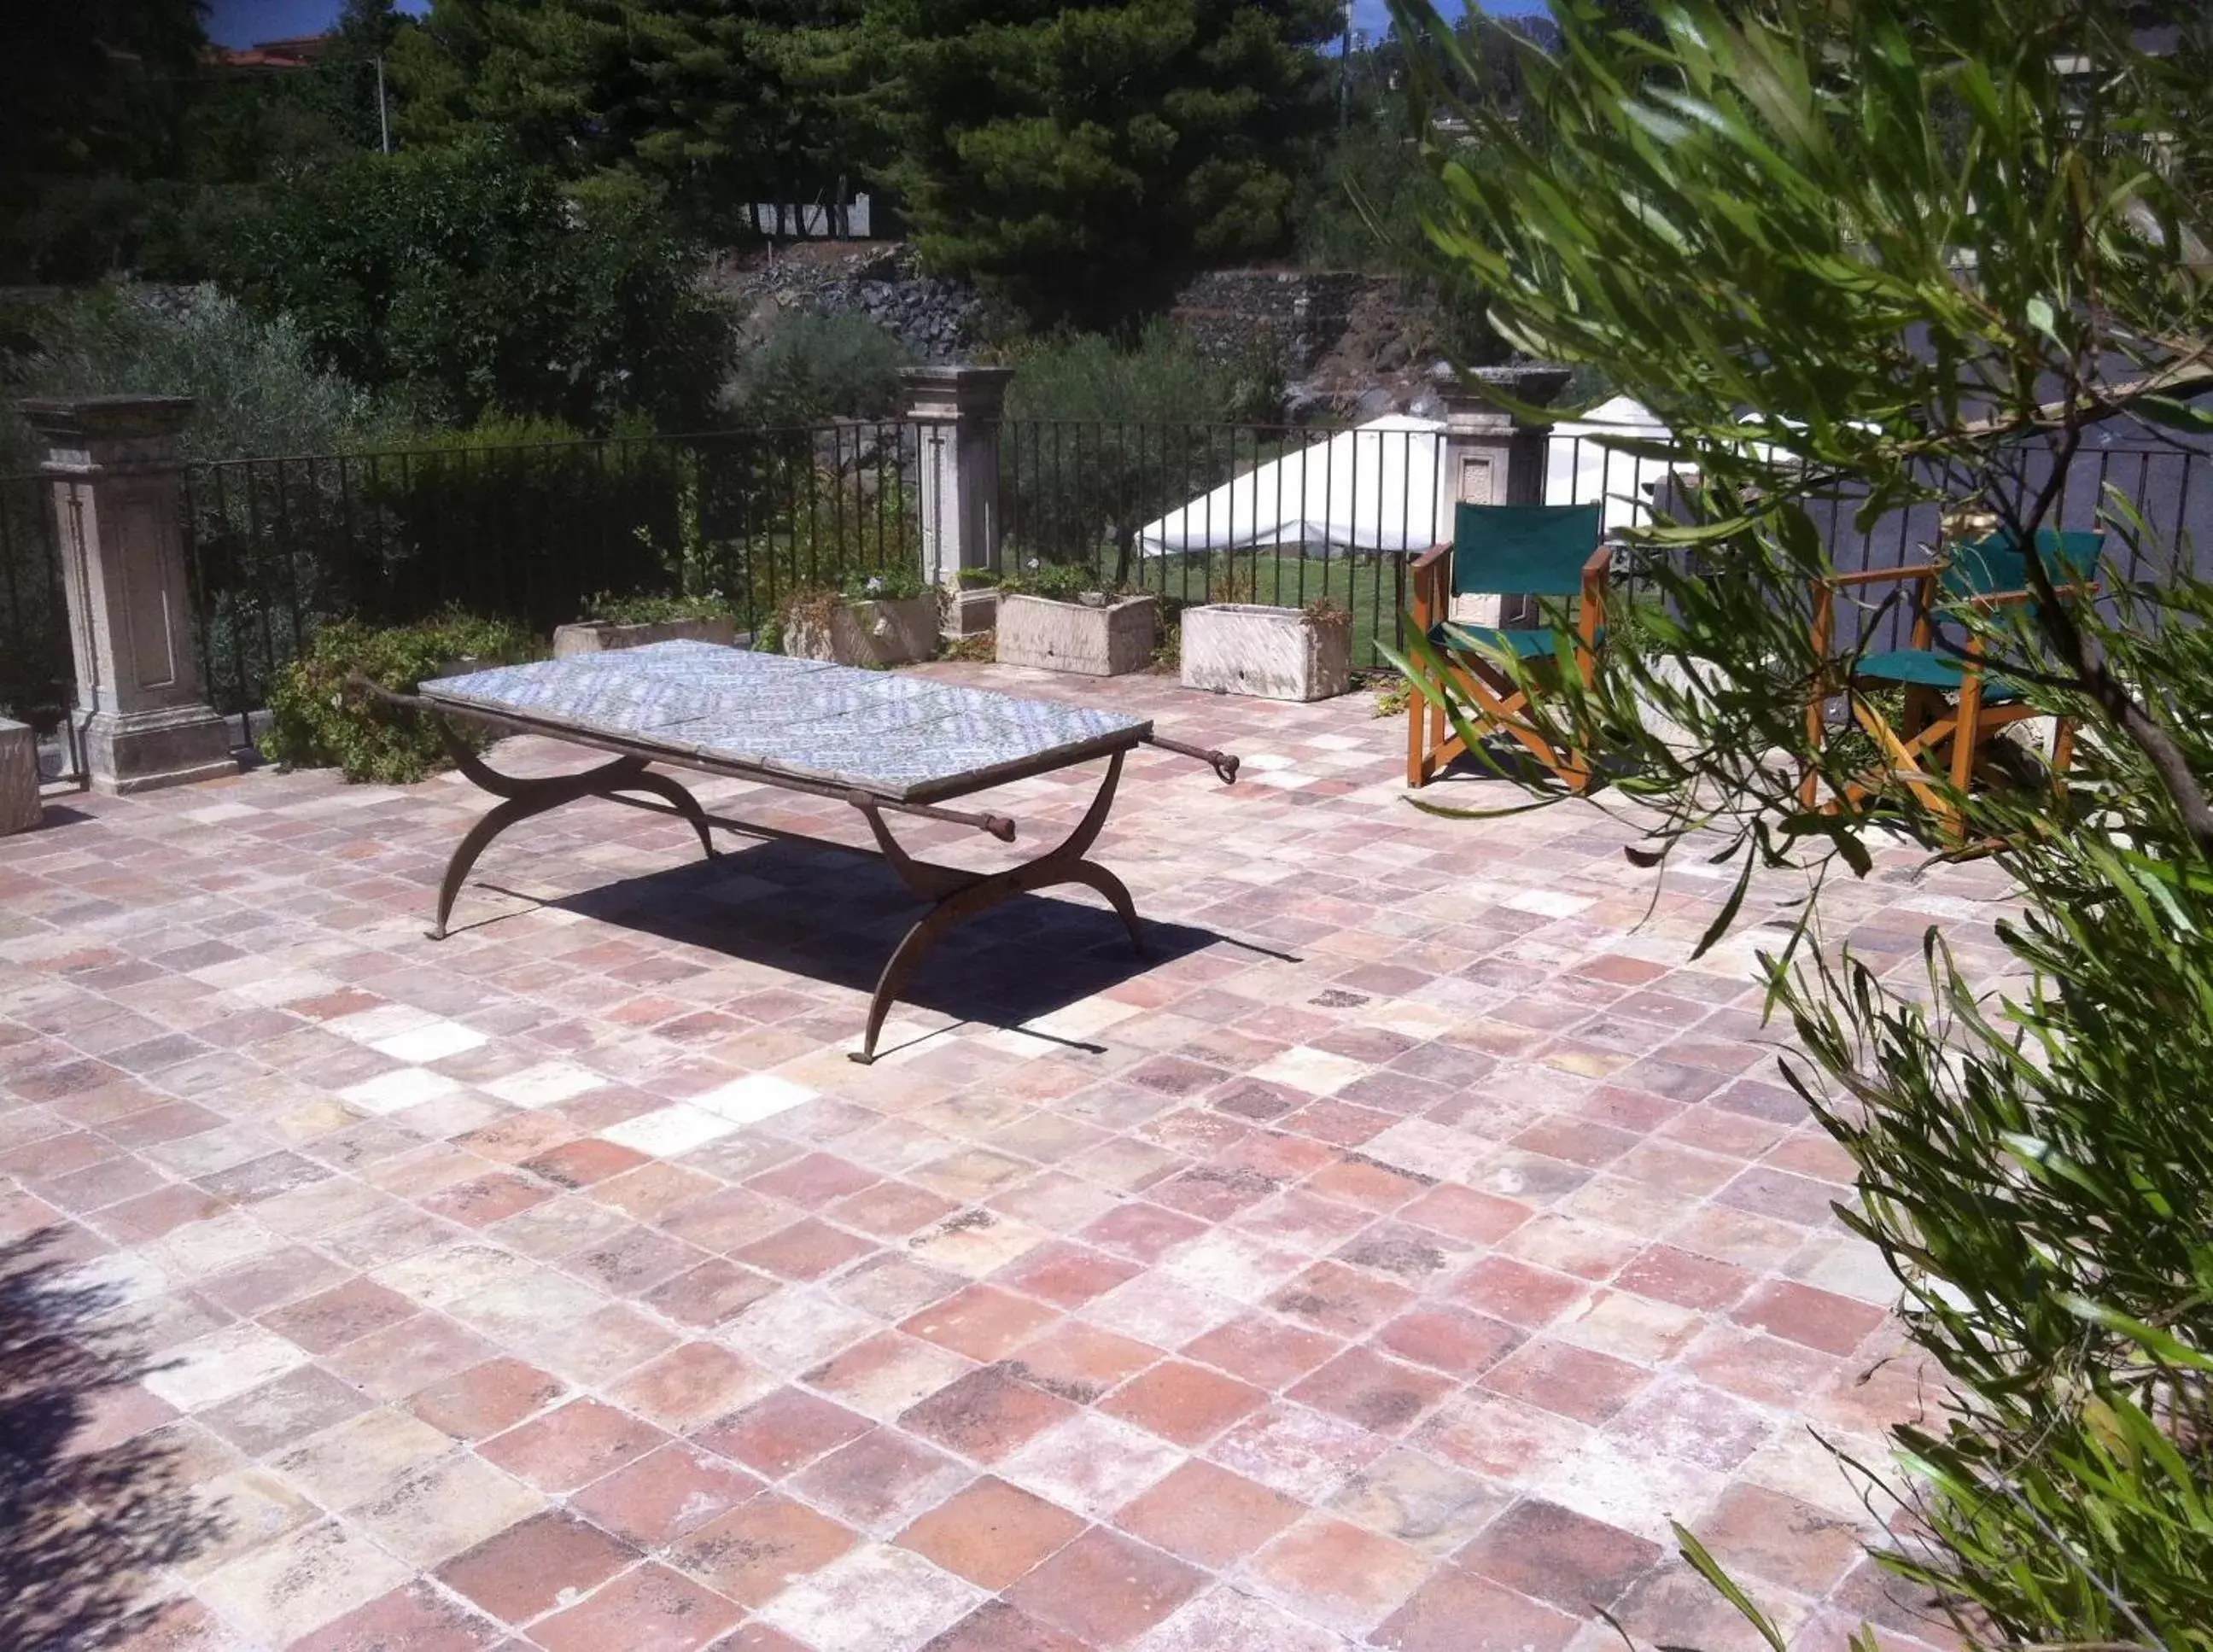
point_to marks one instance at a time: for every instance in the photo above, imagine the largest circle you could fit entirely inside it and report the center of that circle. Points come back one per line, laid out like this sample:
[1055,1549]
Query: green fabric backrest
[1539,550]
[1996,563]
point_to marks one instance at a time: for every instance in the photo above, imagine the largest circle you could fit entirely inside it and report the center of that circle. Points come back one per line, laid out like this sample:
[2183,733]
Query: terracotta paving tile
[1456,1611]
[1379,1394]
[583,1162]
[805,1249]
[487,1399]
[571,1446]
[1800,1314]
[1340,1300]
[417,1616]
[991,1532]
[1266,1351]
[1573,1381]
[752,1553]
[1079,1362]
[651,1609]
[784,1431]
[715,1290]
[889,1209]
[886,1374]
[880,1481]
[1067,1273]
[1428,1505]
[1449,1339]
[995,1626]
[691,1384]
[664,1495]
[1685,1279]
[1105,1589]
[1187,1404]
[1758,1534]
[1338,1574]
[1560,1556]
[282,1412]
[1303,1454]
[532,1566]
[1209,1515]
[982,1322]
[323,1322]
[1144,1232]
[986,1414]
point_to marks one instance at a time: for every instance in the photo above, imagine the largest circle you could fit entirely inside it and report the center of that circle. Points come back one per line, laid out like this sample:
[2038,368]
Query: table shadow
[834,916]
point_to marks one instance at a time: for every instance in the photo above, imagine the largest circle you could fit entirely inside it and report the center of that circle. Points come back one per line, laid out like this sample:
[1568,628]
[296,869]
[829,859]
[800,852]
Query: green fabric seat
[1923,669]
[1523,645]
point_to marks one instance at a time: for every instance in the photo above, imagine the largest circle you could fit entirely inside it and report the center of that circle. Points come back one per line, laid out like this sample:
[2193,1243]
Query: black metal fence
[35,674]
[1273,513]
[534,533]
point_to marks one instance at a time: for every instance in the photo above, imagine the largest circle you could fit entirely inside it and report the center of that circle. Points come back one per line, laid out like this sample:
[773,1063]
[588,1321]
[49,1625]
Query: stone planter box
[1105,639]
[864,633]
[972,610]
[596,636]
[20,808]
[1272,654]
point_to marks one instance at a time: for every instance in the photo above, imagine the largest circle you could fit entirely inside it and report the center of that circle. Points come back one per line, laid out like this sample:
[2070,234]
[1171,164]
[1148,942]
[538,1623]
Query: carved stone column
[956,412]
[118,505]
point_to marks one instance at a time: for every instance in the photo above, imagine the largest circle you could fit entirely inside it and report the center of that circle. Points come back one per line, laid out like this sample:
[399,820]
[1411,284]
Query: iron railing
[532,533]
[37,683]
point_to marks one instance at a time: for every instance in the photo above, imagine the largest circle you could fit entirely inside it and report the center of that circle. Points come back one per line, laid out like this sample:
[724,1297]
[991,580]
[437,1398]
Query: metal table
[884,744]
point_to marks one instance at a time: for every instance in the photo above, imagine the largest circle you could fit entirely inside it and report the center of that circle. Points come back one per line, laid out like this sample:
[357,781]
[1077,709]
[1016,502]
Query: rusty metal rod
[1222,763]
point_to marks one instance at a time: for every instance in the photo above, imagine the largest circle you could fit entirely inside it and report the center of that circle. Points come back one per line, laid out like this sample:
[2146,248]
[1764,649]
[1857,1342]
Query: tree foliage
[1900,253]
[468,281]
[1080,158]
[723,105]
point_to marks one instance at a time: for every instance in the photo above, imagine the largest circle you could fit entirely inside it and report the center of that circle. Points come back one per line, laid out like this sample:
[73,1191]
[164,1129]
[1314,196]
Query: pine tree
[1081,158]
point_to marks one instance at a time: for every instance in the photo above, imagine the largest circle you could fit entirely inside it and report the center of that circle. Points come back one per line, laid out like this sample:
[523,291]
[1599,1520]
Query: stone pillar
[1492,458]
[118,505]
[956,412]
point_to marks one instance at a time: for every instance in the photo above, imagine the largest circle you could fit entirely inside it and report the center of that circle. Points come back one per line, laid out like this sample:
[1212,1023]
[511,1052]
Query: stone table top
[901,738]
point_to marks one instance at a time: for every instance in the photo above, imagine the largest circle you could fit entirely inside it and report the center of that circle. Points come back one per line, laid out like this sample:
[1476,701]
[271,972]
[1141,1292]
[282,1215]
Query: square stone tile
[651,1609]
[1091,1464]
[1105,1589]
[991,1532]
[876,1598]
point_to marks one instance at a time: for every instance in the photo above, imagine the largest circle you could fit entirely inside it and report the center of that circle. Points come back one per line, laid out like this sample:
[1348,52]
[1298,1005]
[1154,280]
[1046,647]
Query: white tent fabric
[1376,489]
[1371,489]
[1581,469]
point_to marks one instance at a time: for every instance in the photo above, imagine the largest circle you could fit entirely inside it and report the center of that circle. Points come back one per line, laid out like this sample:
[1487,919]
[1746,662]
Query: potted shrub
[629,622]
[1062,617]
[1271,653]
[883,617]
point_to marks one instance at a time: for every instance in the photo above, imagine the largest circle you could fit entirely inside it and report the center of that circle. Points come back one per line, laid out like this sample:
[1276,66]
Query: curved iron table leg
[959,896]
[525,797]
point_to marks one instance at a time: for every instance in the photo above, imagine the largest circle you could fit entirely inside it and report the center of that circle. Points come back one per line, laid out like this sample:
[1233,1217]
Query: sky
[241,22]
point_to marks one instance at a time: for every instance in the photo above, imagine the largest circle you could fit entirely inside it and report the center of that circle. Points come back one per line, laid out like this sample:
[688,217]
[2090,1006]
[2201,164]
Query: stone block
[1270,653]
[864,633]
[20,808]
[597,636]
[1104,639]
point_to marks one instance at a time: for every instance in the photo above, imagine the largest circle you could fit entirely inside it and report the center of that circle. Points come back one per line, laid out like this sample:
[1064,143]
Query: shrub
[813,368]
[318,719]
[468,284]
[646,609]
[1733,220]
[255,384]
[1102,439]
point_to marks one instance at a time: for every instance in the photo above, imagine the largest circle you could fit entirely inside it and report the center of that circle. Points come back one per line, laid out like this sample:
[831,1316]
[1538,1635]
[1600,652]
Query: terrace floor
[1381,1262]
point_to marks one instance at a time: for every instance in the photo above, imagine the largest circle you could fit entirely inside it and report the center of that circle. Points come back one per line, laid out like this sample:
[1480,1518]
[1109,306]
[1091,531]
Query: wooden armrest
[2004,599]
[1430,557]
[1874,576]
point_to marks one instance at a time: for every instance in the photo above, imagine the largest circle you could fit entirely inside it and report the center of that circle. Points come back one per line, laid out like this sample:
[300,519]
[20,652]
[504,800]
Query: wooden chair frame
[1431,742]
[1942,735]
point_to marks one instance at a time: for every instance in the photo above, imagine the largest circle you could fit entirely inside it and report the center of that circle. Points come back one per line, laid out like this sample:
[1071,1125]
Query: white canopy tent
[1376,489]
[1371,489]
